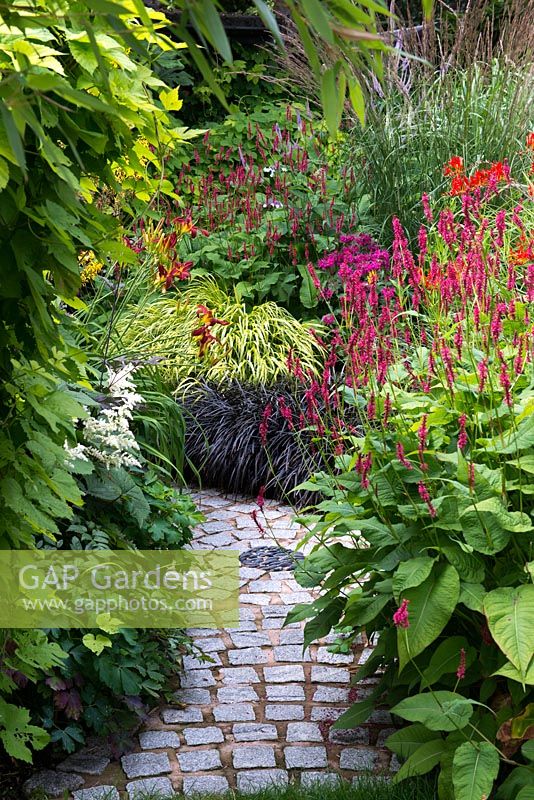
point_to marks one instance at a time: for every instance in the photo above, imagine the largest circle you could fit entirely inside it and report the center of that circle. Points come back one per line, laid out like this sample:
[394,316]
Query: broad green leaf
[475,767]
[406,741]
[472,596]
[411,573]
[438,711]
[13,137]
[4,174]
[510,615]
[483,532]
[170,99]
[528,751]
[96,643]
[526,793]
[355,715]
[430,606]
[425,758]
[509,671]
[363,610]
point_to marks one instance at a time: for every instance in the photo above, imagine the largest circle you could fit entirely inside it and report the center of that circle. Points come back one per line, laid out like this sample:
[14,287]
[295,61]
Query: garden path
[260,711]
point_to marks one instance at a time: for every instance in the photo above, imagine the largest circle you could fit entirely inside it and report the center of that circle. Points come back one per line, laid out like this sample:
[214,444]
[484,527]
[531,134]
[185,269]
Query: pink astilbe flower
[400,617]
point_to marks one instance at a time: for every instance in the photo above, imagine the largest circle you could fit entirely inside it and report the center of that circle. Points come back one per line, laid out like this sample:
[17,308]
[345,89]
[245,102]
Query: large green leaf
[510,615]
[411,573]
[445,660]
[430,607]
[425,758]
[475,767]
[438,711]
[406,741]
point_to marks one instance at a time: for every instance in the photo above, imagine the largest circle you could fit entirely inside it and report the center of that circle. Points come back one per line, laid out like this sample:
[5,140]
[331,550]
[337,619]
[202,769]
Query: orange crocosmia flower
[530,141]
[455,166]
[459,185]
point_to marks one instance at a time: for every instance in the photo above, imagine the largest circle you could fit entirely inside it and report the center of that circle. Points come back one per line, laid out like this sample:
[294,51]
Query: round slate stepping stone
[97,793]
[272,559]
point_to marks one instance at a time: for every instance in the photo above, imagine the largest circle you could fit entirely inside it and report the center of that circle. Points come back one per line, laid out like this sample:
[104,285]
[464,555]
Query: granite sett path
[254,710]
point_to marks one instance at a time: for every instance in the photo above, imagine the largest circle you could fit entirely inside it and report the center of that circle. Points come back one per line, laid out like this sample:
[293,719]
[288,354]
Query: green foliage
[253,347]
[426,530]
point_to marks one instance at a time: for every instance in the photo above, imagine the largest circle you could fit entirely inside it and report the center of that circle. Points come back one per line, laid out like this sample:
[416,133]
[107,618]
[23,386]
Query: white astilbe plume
[108,437]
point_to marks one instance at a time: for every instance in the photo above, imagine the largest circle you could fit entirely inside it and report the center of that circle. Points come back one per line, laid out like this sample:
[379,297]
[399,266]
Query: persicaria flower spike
[400,617]
[460,672]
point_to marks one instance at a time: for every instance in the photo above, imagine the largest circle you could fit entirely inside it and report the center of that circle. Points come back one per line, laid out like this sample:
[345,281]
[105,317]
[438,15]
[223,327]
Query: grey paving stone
[247,655]
[236,675]
[190,662]
[326,657]
[255,780]
[284,674]
[292,636]
[274,611]
[309,779]
[331,694]
[349,736]
[212,644]
[266,586]
[97,793]
[250,573]
[303,732]
[236,712]
[197,679]
[199,761]
[255,599]
[305,757]
[329,675]
[292,598]
[194,633]
[380,717]
[254,732]
[194,697]
[383,735]
[273,623]
[215,526]
[152,740]
[244,625]
[237,694]
[256,639]
[394,764]
[205,785]
[52,783]
[84,762]
[246,534]
[218,540]
[209,735]
[253,757]
[291,652]
[365,655]
[284,691]
[137,765]
[283,711]
[173,716]
[321,714]
[162,787]
[358,759]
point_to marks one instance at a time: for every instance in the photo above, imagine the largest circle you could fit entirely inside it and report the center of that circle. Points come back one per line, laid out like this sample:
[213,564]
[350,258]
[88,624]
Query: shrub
[434,502]
[233,344]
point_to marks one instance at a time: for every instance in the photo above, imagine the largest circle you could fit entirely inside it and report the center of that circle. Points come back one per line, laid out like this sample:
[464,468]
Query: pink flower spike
[460,672]
[400,617]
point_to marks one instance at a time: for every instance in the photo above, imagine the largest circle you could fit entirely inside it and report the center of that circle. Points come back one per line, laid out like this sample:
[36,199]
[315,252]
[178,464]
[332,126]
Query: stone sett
[329,675]
[205,784]
[358,759]
[254,732]
[137,765]
[331,694]
[237,694]
[193,697]
[266,586]
[237,712]
[160,786]
[199,761]
[303,732]
[305,757]
[97,793]
[283,711]
[326,657]
[257,639]
[253,757]
[326,714]
[283,674]
[197,679]
[349,736]
[294,636]
[175,716]
[291,652]
[309,779]
[190,662]
[284,692]
[53,783]
[154,740]
[86,763]
[209,735]
[255,780]
[248,655]
[237,675]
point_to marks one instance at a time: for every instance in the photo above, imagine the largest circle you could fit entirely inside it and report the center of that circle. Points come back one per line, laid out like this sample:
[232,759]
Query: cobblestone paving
[259,711]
